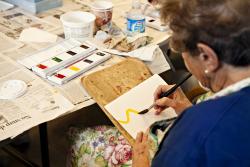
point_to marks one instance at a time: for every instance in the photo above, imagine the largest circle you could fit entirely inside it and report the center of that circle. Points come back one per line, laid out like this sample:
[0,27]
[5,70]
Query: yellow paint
[74,68]
[128,116]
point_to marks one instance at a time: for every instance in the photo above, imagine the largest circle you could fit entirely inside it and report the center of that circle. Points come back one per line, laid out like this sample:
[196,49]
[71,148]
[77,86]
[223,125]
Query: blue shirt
[214,133]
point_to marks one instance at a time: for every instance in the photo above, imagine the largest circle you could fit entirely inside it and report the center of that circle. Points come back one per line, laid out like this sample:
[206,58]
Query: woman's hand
[140,151]
[177,100]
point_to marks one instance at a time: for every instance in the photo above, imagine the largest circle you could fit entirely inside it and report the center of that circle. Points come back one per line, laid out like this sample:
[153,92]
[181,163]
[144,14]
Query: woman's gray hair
[224,25]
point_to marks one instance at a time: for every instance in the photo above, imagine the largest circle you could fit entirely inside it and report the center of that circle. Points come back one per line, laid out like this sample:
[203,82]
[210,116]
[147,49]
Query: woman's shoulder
[229,137]
[204,118]
[233,109]
[227,102]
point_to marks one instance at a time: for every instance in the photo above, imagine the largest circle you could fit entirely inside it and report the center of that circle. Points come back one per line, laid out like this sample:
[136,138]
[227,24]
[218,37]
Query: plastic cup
[103,11]
[78,25]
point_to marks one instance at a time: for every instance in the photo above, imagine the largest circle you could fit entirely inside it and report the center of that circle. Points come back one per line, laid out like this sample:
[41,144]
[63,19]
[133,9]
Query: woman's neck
[228,75]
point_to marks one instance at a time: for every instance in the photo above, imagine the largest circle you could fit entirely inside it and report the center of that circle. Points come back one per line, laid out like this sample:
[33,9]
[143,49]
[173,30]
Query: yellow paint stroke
[128,116]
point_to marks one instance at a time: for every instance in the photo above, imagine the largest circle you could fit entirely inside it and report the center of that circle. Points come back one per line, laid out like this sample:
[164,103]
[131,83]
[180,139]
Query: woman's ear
[208,58]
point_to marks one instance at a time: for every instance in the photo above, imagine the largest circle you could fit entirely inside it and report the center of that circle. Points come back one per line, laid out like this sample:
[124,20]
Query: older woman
[214,39]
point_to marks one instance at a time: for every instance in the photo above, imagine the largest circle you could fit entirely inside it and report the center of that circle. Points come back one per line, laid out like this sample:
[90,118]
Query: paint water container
[78,25]
[103,10]
[135,19]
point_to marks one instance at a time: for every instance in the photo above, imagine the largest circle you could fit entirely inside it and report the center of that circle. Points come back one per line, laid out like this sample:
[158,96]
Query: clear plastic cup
[103,11]
[78,25]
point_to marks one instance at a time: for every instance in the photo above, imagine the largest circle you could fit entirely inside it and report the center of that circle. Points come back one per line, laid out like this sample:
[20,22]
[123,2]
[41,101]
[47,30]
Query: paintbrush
[167,93]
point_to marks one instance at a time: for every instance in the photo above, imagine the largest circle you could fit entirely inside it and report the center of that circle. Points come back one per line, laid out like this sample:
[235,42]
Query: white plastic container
[78,25]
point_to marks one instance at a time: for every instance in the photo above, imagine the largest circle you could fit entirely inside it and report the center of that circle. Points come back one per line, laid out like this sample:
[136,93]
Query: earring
[206,71]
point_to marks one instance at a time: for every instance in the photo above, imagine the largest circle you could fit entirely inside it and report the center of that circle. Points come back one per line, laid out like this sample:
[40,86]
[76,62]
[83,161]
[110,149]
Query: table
[73,87]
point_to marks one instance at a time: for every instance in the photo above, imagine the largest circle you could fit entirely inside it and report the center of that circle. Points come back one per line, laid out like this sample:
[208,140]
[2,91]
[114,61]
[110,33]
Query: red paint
[41,66]
[60,76]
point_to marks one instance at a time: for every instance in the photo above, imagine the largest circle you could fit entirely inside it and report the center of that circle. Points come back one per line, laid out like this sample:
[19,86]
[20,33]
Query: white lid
[101,5]
[77,18]
[12,89]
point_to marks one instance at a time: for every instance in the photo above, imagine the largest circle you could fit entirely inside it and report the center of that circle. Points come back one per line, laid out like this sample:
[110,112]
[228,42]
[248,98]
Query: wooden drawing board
[108,84]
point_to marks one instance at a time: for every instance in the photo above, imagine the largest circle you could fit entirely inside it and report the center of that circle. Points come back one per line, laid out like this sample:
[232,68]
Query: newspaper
[17,54]
[39,104]
[24,51]
[8,43]
[72,90]
[13,21]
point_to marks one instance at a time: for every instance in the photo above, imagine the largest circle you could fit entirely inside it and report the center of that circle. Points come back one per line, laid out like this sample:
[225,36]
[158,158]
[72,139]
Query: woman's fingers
[159,110]
[165,102]
[145,137]
[140,151]
[160,89]
[157,92]
[177,100]
[156,107]
[139,137]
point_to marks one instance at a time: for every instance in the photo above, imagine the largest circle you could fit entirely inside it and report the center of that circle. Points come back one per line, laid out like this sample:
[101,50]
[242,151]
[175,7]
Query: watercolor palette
[47,53]
[59,61]
[64,75]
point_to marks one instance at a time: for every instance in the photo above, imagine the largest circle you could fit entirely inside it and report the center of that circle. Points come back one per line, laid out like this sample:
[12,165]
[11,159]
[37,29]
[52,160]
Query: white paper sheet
[37,35]
[159,64]
[125,108]
[145,53]
[152,55]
